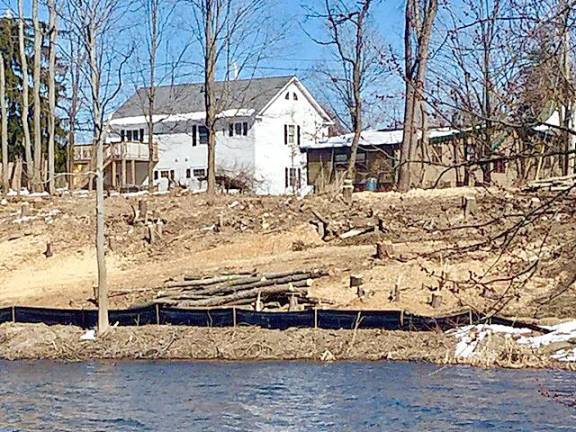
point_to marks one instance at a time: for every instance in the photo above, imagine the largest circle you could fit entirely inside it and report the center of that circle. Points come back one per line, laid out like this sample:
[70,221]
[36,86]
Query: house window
[294,96]
[360,157]
[129,135]
[287,97]
[202,134]
[141,135]
[188,173]
[165,174]
[289,134]
[155,175]
[122,135]
[199,172]
[292,177]
[194,136]
[341,158]
[500,166]
[238,129]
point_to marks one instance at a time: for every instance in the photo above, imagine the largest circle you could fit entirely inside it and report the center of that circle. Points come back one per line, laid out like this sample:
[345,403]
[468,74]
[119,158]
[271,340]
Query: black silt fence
[229,317]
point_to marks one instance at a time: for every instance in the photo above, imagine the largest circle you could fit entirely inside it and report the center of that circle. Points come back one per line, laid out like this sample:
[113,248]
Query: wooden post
[234,316]
[123,175]
[157,314]
[133,172]
[114,182]
[315,318]
[402,318]
[13,314]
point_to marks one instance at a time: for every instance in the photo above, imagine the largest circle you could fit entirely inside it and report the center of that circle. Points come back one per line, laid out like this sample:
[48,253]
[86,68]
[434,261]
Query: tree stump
[384,250]
[143,210]
[48,252]
[394,295]
[356,281]
[435,301]
[347,191]
[469,206]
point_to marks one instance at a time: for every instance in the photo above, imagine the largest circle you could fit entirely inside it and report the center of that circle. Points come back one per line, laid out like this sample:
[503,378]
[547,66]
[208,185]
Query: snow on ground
[469,338]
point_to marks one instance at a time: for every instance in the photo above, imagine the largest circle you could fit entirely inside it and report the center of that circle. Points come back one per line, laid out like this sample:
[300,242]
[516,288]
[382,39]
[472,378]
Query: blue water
[162,396]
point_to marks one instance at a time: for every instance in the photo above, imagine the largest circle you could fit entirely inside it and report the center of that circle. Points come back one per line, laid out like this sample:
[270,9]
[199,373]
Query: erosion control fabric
[229,317]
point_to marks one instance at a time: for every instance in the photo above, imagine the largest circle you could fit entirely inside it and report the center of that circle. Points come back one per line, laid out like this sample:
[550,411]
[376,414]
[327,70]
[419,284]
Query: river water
[282,396]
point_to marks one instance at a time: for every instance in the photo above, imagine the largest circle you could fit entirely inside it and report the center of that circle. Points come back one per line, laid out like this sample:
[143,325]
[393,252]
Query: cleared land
[469,260]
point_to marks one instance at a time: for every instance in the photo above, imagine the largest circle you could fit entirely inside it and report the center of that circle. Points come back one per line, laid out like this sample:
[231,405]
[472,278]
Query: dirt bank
[34,342]
[492,260]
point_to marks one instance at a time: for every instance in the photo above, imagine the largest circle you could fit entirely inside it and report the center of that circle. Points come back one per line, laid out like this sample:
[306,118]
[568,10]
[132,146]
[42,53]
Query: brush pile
[283,290]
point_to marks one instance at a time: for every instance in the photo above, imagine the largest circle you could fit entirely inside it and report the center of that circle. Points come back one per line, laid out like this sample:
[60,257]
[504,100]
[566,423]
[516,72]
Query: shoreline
[153,342]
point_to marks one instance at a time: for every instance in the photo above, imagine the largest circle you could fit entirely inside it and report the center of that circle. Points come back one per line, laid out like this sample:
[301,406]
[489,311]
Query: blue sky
[296,55]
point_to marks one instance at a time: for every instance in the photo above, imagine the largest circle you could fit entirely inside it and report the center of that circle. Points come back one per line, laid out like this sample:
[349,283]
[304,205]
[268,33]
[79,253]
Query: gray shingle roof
[254,94]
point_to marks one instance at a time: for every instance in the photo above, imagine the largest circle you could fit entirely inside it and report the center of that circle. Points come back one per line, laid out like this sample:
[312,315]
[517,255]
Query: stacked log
[552,183]
[273,289]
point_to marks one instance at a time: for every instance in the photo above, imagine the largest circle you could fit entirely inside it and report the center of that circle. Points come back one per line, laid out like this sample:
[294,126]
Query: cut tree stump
[435,301]
[384,250]
[356,281]
[470,206]
[48,252]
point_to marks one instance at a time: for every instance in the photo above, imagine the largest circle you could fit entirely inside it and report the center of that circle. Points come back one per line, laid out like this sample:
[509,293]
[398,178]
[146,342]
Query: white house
[262,125]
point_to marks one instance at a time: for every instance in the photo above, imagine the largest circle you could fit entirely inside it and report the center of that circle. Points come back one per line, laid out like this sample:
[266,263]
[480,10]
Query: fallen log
[198,295]
[204,282]
[247,294]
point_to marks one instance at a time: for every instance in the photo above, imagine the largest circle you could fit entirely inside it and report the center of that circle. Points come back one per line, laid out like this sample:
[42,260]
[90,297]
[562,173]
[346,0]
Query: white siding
[272,155]
[261,153]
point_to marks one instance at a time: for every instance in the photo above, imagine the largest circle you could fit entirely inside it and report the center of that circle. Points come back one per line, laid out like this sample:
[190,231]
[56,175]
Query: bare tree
[353,46]
[52,96]
[37,185]
[4,136]
[232,34]
[419,20]
[152,12]
[25,93]
[96,22]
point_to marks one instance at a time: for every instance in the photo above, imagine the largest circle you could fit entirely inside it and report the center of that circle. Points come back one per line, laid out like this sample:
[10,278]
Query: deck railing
[126,150]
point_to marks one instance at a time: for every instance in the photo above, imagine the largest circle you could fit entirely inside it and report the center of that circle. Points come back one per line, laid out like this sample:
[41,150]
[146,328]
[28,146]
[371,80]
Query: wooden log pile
[261,291]
[552,183]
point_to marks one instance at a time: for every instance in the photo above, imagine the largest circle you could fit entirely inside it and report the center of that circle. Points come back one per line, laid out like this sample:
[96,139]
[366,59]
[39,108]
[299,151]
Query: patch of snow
[470,336]
[90,335]
[560,333]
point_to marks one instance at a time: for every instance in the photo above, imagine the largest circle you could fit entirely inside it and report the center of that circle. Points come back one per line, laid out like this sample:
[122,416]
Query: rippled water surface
[150,396]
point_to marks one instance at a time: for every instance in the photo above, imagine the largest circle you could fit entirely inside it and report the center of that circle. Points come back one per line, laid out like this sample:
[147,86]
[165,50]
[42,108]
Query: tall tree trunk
[419,23]
[152,90]
[75,65]
[209,96]
[25,96]
[4,114]
[103,321]
[52,98]
[37,185]
[356,90]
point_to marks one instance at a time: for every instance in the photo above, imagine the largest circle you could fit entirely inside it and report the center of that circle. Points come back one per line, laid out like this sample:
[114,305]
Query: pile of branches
[283,290]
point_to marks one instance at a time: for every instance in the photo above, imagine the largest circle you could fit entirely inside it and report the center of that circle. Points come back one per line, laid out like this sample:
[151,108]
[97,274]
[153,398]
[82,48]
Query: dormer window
[132,135]
[238,129]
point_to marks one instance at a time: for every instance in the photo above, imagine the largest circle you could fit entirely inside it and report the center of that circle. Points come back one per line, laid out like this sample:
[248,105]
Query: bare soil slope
[513,254]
